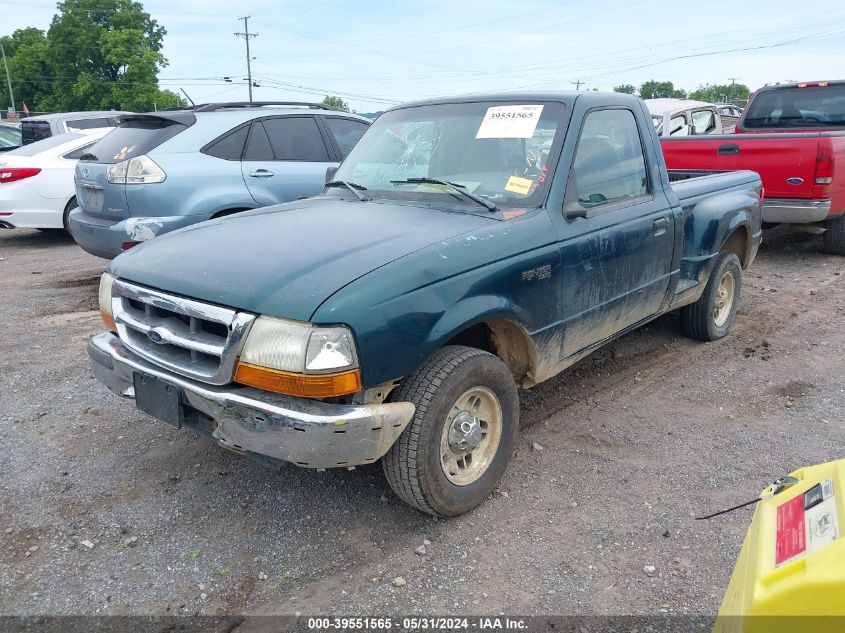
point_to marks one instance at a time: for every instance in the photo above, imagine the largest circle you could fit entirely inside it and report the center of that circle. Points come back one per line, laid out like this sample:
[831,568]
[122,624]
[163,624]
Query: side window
[258,147]
[703,122]
[346,132]
[296,138]
[231,146]
[678,126]
[87,124]
[609,165]
[75,154]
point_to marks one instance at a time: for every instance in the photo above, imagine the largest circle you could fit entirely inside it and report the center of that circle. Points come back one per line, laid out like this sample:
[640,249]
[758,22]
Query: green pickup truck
[467,247]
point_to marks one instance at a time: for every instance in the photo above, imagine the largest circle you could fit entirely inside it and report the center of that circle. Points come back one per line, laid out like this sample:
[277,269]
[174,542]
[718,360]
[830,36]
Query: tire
[70,206]
[834,236]
[415,466]
[706,320]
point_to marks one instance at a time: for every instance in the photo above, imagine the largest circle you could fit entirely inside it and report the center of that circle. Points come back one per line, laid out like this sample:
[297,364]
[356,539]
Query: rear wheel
[834,236]
[70,206]
[459,442]
[711,317]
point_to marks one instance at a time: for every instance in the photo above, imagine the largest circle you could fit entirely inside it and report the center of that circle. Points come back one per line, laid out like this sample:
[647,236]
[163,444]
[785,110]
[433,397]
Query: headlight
[104,295]
[299,359]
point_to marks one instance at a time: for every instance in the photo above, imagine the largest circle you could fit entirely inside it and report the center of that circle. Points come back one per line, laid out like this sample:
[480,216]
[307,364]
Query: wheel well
[505,339]
[738,242]
[225,212]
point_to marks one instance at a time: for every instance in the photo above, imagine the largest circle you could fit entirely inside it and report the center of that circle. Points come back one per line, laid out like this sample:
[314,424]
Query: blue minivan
[162,171]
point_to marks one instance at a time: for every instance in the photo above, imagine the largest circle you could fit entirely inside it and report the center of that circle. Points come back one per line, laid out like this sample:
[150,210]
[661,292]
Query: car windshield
[9,136]
[496,151]
[44,144]
[798,108]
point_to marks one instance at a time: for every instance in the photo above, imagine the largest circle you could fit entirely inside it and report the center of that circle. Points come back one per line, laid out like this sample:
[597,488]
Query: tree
[336,102]
[628,89]
[720,93]
[105,54]
[661,89]
[26,51]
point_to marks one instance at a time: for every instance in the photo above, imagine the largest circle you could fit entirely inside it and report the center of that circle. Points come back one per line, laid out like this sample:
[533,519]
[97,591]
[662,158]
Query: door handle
[661,225]
[728,149]
[262,173]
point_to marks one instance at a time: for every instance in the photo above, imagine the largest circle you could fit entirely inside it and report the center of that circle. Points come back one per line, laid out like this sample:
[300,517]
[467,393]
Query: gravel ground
[108,512]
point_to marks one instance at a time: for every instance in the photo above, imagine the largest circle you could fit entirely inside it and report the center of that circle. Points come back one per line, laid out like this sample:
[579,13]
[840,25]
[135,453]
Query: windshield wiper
[461,189]
[354,188]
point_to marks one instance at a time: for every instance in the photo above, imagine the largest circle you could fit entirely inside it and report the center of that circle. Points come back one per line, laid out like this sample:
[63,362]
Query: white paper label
[518,121]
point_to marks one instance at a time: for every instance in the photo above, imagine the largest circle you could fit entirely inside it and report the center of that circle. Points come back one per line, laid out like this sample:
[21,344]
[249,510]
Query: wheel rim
[724,299]
[470,436]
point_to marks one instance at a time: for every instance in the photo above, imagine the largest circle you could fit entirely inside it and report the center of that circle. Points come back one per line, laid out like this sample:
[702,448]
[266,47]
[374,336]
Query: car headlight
[104,295]
[299,359]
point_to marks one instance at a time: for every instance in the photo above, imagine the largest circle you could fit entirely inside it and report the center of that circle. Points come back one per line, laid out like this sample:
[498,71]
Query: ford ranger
[794,136]
[466,247]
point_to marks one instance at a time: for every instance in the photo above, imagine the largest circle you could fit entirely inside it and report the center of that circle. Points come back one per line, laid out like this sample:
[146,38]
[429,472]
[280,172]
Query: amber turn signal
[108,320]
[304,385]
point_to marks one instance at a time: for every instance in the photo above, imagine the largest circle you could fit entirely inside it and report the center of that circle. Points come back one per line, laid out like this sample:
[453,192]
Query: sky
[376,53]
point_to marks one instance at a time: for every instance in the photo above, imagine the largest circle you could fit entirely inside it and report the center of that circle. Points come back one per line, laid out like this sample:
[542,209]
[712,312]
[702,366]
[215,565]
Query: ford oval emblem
[155,336]
[795,181]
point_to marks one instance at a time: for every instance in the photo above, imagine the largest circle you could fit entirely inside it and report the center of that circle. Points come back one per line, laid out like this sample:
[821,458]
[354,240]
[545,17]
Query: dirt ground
[105,511]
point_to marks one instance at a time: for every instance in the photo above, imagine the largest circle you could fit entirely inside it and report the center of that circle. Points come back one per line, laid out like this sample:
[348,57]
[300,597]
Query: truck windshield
[497,151]
[797,108]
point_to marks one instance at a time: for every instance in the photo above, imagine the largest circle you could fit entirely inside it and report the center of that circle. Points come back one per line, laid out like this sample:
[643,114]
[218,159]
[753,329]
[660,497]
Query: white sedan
[36,180]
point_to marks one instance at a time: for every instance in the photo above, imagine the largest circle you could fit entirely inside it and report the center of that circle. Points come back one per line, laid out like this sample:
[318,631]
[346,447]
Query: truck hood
[285,260]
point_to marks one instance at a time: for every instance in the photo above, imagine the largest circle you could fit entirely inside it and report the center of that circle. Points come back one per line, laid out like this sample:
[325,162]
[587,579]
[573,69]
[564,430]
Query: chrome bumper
[795,211]
[305,432]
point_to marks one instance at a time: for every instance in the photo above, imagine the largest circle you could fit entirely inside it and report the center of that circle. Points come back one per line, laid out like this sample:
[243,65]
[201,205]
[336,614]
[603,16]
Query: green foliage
[721,93]
[336,102]
[628,89]
[661,89]
[96,55]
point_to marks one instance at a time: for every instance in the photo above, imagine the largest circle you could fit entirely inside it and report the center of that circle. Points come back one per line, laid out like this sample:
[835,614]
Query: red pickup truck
[793,135]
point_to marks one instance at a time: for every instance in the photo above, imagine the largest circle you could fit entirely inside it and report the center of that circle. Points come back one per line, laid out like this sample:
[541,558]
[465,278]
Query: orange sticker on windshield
[516,184]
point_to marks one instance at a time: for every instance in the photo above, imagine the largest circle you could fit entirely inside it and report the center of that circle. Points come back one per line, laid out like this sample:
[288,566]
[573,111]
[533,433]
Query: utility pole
[8,78]
[733,83]
[246,35]
[577,84]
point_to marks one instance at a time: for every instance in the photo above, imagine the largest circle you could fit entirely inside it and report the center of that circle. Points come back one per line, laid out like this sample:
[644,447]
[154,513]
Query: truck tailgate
[786,162]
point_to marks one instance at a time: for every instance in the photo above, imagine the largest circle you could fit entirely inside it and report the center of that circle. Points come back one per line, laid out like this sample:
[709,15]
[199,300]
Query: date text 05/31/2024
[415,623]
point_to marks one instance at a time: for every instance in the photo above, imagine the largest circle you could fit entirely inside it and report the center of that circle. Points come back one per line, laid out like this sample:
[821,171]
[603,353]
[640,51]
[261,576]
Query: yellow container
[792,562]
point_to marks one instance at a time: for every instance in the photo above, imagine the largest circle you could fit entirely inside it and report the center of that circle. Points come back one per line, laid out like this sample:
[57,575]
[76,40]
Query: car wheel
[460,440]
[834,236]
[70,206]
[711,317]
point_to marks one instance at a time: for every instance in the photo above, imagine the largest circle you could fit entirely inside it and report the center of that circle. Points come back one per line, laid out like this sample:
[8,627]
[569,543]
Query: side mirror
[330,172]
[575,212]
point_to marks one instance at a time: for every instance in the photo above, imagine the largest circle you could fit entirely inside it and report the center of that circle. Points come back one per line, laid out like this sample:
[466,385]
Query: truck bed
[692,184]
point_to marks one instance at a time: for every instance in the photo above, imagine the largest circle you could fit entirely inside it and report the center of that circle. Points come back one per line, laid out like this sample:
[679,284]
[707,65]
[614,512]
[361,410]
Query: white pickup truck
[685,117]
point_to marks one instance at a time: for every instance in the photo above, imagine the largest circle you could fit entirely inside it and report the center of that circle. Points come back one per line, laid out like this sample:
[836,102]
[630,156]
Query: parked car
[792,134]
[163,171]
[36,180]
[37,128]
[447,263]
[683,117]
[10,136]
[728,109]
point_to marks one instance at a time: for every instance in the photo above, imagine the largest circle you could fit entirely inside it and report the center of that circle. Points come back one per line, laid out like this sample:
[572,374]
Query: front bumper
[795,211]
[305,432]
[105,238]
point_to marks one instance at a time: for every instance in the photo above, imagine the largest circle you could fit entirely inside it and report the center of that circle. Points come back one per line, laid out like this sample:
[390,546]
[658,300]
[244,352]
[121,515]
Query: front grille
[191,338]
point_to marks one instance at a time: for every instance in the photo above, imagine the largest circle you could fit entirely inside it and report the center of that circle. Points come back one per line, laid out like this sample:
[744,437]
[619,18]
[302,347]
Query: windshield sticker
[515,184]
[517,121]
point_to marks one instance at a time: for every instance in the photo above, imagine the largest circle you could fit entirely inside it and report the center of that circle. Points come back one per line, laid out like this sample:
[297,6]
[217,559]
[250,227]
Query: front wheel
[710,318]
[459,442]
[834,236]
